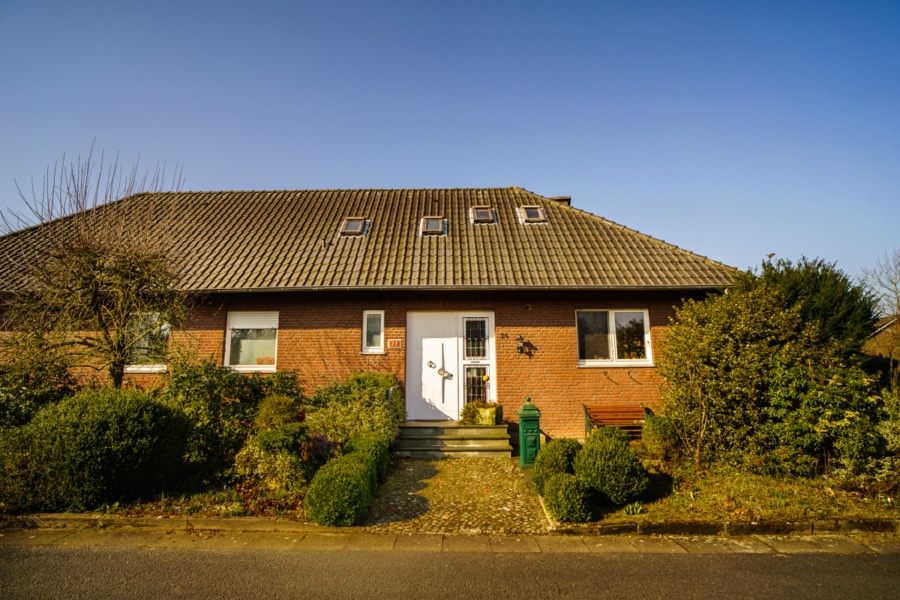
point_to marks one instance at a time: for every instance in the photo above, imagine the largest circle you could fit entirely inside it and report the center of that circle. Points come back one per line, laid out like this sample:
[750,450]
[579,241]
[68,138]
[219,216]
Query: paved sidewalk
[495,544]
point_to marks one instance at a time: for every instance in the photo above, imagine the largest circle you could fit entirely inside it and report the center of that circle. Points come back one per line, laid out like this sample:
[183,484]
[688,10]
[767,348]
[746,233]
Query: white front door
[449,361]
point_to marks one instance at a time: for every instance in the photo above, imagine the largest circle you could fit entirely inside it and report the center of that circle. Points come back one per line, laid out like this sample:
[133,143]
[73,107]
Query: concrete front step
[443,439]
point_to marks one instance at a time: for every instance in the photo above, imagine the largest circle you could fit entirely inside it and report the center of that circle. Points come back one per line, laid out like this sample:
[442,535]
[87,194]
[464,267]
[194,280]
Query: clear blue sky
[732,129]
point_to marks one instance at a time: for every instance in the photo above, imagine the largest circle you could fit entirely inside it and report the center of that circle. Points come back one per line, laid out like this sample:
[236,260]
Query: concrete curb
[280,524]
[727,529]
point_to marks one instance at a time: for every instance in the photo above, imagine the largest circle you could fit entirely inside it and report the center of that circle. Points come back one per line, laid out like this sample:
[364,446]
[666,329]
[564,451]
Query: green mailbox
[529,433]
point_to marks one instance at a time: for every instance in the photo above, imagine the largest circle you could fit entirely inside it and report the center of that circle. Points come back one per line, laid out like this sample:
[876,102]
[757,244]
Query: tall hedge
[95,447]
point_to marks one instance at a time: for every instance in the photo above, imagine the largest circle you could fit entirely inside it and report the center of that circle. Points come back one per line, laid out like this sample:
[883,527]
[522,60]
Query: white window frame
[475,220]
[365,331]
[614,360]
[361,232]
[255,319]
[522,213]
[151,367]
[424,231]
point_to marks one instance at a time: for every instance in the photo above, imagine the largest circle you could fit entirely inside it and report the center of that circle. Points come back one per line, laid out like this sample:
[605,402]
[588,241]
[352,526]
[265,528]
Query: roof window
[355,226]
[482,214]
[532,214]
[432,226]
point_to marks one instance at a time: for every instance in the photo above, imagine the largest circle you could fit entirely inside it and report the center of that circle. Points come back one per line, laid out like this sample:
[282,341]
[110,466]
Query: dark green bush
[341,492]
[19,404]
[609,465]
[371,445]
[98,446]
[556,456]
[221,405]
[343,410]
[567,498]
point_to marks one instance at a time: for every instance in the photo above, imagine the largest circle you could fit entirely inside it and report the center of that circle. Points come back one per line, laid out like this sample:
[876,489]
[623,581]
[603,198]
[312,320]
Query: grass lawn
[724,494]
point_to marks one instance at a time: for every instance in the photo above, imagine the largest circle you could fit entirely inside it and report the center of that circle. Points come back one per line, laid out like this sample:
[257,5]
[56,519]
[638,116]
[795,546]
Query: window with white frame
[373,332]
[148,340]
[434,225]
[613,337]
[251,340]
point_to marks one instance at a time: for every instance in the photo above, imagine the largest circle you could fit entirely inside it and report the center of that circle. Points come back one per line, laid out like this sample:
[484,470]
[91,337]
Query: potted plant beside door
[480,413]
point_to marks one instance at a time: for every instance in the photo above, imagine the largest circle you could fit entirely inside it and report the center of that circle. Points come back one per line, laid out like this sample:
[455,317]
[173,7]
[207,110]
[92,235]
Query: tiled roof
[289,240]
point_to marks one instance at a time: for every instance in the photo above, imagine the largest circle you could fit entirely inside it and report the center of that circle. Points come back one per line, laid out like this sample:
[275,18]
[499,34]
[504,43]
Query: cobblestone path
[462,495]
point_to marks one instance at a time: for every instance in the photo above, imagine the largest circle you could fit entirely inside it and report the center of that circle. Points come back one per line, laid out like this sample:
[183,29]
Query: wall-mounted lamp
[520,344]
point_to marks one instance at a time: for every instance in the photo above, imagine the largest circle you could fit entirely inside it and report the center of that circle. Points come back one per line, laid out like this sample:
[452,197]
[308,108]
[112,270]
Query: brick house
[496,294]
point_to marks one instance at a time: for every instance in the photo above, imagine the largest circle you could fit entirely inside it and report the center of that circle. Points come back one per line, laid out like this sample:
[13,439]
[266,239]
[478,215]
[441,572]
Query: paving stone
[364,541]
[419,543]
[503,543]
[34,537]
[561,543]
[718,545]
[325,541]
[467,543]
[658,545]
[609,543]
[462,495]
[825,544]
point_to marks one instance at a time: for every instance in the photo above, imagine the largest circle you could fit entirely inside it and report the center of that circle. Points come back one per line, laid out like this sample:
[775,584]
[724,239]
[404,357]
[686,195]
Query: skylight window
[482,214]
[533,214]
[432,226]
[354,226]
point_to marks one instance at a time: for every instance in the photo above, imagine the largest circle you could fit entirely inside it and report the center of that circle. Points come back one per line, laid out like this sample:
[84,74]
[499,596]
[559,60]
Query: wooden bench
[629,417]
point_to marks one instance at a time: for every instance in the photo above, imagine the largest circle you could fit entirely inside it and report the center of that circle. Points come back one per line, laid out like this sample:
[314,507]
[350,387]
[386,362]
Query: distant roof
[291,240]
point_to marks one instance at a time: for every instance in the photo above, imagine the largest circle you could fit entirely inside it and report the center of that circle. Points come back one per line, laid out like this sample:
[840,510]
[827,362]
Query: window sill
[613,365]
[252,368]
[145,369]
[371,352]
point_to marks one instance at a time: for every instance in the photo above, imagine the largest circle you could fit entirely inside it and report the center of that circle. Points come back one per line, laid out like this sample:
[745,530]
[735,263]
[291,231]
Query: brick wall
[320,337]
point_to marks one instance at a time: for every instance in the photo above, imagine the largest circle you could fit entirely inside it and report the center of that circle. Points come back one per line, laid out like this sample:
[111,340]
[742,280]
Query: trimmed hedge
[358,405]
[556,456]
[568,499]
[98,446]
[608,464]
[375,448]
[341,492]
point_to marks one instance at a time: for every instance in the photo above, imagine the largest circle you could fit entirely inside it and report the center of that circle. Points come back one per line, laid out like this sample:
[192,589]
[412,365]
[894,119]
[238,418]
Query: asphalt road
[260,571]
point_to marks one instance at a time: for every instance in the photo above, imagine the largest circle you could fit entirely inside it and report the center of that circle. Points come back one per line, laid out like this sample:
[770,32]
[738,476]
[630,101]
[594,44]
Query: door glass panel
[476,386]
[476,338]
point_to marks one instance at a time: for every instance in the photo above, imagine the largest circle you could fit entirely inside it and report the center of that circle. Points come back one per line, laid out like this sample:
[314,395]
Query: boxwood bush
[568,499]
[341,492]
[95,447]
[609,465]
[556,456]
[372,446]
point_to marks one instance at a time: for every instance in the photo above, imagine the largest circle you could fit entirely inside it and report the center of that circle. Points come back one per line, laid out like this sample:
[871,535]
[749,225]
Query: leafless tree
[92,280]
[884,279]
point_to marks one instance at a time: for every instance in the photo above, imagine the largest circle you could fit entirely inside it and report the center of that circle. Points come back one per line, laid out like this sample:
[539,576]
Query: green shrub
[371,445]
[659,437]
[19,404]
[567,498]
[609,465]
[341,492]
[98,446]
[556,456]
[221,405]
[275,411]
[358,405]
[270,471]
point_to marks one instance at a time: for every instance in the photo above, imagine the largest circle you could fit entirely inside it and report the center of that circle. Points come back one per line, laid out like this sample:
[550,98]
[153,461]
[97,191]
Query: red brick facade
[319,336]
